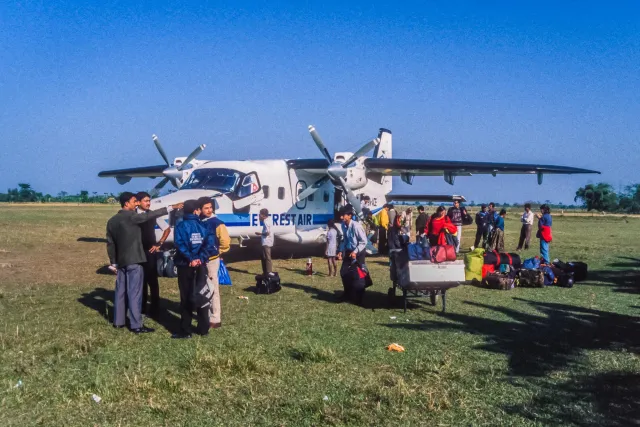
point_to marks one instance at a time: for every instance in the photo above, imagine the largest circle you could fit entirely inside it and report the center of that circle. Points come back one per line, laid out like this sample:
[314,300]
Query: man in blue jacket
[194,245]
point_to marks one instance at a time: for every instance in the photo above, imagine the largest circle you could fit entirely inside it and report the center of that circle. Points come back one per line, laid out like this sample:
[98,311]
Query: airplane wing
[424,198]
[141,172]
[407,168]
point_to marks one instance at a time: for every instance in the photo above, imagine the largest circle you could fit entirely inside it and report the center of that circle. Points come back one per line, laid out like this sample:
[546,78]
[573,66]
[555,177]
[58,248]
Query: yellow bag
[473,262]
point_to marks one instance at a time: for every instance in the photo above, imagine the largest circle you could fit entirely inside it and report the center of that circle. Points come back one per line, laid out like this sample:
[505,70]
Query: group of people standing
[200,239]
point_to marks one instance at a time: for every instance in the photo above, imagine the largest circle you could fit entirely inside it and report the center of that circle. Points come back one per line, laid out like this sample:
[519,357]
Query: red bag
[442,253]
[487,268]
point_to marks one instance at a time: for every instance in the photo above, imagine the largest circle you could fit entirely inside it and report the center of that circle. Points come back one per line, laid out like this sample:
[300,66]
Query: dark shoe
[143,330]
[180,335]
[215,325]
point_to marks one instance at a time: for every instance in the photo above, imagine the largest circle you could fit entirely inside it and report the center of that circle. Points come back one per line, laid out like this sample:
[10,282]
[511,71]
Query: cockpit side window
[249,185]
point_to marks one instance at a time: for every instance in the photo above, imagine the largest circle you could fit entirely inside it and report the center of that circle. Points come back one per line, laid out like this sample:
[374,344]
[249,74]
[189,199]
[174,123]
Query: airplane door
[249,192]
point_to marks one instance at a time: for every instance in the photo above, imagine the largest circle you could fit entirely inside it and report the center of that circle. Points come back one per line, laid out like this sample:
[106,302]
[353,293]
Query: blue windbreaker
[192,241]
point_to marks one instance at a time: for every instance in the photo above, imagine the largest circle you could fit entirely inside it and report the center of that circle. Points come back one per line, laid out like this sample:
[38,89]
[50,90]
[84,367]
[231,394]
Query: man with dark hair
[126,254]
[266,240]
[218,229]
[456,213]
[194,244]
[421,223]
[482,227]
[151,248]
[525,231]
[352,248]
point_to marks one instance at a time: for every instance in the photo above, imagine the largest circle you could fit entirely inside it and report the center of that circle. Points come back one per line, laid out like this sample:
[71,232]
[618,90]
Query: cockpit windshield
[223,180]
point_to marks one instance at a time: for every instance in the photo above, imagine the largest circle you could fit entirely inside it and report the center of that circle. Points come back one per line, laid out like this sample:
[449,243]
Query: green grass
[521,357]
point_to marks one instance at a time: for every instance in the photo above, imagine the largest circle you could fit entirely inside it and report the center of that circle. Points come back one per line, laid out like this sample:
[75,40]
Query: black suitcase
[564,278]
[579,269]
[269,284]
[498,281]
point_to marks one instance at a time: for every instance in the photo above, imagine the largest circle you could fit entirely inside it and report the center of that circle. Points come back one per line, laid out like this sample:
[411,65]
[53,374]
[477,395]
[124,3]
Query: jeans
[544,251]
[459,238]
[191,281]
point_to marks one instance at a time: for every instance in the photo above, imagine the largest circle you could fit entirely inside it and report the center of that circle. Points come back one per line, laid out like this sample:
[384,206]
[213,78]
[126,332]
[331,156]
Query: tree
[600,197]
[630,199]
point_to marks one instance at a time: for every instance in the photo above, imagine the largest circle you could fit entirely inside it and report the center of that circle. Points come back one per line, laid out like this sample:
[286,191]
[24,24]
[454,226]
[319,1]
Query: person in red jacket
[438,225]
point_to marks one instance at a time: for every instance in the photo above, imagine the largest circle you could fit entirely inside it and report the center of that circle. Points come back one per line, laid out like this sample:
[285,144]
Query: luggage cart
[423,290]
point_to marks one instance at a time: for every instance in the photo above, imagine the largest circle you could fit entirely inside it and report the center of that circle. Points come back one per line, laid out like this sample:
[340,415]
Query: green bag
[473,262]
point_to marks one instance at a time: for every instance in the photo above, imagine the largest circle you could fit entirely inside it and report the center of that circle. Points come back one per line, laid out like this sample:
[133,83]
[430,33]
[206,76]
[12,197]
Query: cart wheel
[433,297]
[391,294]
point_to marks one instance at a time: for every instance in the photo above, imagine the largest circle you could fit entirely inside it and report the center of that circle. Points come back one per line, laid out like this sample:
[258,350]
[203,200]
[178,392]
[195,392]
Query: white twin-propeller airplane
[303,194]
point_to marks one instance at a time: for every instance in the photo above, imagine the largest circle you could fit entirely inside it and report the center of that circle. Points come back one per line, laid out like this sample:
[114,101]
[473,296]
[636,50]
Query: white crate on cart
[429,272]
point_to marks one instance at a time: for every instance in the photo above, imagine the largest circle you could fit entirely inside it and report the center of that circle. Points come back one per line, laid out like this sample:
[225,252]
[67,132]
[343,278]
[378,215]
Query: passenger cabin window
[281,193]
[325,197]
[265,190]
[310,198]
[300,187]
[248,186]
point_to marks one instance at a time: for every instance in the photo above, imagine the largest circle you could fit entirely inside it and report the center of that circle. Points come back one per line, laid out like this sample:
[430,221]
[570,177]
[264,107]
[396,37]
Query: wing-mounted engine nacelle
[354,175]
[182,175]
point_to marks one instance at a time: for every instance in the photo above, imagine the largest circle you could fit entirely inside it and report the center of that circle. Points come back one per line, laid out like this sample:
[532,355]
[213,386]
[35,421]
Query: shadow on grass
[536,345]
[601,399]
[101,300]
[92,239]
[625,278]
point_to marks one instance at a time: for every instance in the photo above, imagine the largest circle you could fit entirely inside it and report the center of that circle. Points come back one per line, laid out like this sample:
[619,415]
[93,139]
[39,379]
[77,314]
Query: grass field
[521,357]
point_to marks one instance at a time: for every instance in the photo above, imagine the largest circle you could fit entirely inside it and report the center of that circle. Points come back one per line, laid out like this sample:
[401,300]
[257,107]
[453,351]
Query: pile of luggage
[506,270]
[435,254]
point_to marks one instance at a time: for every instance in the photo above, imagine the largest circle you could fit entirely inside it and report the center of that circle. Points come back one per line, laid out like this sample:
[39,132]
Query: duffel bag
[492,258]
[580,270]
[487,268]
[443,253]
[268,284]
[564,278]
[530,279]
[498,281]
[510,259]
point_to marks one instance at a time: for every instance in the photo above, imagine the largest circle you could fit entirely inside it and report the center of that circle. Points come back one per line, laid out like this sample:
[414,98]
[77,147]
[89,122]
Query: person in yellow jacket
[223,241]
[383,219]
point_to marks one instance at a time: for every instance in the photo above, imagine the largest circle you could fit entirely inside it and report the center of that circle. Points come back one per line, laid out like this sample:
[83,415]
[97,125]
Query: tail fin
[384,150]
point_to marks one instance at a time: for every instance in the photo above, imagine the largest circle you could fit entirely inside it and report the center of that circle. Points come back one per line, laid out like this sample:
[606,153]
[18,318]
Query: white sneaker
[472,248]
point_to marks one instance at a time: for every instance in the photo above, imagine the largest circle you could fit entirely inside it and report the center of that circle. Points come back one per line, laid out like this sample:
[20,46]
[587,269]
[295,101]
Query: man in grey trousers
[124,247]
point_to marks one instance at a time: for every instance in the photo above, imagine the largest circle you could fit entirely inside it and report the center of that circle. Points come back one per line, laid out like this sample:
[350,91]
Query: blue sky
[83,87]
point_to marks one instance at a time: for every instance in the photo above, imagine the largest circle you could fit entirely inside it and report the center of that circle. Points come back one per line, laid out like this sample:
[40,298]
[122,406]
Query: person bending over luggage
[332,247]
[223,242]
[438,225]
[194,245]
[497,236]
[525,231]
[544,232]
[482,227]
[352,249]
[421,223]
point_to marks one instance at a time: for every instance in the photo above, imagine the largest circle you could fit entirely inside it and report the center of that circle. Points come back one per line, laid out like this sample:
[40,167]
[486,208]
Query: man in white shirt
[267,240]
[527,224]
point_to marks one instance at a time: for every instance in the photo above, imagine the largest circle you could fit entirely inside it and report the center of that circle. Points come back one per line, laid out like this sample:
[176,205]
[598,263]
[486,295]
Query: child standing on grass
[332,247]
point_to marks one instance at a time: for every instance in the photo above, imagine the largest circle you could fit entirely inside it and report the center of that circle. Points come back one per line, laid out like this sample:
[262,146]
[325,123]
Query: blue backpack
[531,263]
[549,277]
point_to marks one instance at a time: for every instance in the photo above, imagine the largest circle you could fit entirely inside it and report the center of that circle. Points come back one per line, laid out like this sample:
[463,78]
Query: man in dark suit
[126,254]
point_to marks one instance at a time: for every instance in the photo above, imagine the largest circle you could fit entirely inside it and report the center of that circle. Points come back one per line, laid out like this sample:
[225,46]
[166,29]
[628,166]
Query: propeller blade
[318,141]
[363,150]
[156,190]
[351,197]
[160,149]
[310,190]
[192,156]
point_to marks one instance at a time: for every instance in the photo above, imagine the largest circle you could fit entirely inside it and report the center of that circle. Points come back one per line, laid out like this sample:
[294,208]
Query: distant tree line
[24,193]
[602,197]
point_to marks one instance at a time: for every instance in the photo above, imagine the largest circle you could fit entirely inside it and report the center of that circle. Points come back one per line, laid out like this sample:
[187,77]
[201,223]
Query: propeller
[172,173]
[337,172]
